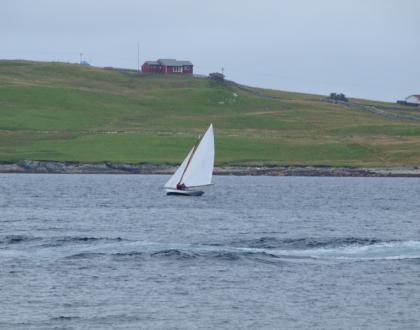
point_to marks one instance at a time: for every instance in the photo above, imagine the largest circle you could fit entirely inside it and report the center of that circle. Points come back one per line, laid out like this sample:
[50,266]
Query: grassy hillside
[65,112]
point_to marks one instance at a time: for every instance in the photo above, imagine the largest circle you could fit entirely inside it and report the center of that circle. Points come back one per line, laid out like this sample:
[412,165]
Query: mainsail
[197,167]
[179,172]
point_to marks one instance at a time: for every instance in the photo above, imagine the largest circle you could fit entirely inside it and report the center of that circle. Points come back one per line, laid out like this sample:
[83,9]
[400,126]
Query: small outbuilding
[217,76]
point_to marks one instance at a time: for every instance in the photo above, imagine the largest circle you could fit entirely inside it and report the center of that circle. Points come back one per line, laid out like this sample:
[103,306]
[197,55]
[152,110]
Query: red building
[168,66]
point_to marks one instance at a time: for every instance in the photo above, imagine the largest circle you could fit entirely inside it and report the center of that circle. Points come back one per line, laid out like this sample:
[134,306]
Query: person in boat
[181,186]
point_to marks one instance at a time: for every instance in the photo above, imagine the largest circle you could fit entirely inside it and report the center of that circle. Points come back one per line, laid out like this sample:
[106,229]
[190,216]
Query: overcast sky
[363,48]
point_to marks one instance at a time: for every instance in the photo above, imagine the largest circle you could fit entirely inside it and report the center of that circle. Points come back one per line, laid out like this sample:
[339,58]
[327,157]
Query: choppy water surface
[113,252]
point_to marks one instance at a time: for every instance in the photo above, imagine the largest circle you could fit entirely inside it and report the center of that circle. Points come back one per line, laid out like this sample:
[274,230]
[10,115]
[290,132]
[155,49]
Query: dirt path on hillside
[349,105]
[376,110]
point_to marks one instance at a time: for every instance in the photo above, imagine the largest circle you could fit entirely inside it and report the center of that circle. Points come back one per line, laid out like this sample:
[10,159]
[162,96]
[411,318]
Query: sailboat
[196,170]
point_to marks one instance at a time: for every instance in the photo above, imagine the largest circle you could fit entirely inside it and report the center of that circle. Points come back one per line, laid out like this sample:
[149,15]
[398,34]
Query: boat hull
[176,192]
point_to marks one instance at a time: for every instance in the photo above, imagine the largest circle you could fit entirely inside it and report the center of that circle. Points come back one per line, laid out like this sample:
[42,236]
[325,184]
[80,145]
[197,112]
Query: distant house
[168,66]
[413,100]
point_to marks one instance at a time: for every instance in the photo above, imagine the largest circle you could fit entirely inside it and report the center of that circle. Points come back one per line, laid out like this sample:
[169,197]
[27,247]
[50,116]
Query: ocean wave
[342,248]
[391,250]
[54,241]
[64,318]
[16,239]
[128,254]
[189,252]
[174,254]
[303,243]
[85,255]
[330,249]
[272,250]
[58,241]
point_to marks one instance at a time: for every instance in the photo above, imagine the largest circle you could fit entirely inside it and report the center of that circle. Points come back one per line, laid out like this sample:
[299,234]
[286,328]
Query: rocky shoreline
[32,166]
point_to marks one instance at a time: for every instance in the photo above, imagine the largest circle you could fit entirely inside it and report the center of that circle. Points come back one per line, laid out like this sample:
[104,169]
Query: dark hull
[184,193]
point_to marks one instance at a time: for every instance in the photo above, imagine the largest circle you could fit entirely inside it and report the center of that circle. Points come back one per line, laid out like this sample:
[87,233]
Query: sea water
[113,252]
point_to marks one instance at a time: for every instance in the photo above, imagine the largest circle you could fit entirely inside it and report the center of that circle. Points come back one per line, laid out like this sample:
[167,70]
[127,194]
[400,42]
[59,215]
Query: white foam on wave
[377,251]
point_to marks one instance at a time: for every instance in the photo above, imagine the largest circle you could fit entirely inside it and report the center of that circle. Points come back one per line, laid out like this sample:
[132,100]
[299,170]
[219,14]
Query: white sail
[178,174]
[199,170]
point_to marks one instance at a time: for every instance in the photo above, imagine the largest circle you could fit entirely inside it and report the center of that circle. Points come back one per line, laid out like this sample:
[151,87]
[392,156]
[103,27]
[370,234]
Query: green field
[67,112]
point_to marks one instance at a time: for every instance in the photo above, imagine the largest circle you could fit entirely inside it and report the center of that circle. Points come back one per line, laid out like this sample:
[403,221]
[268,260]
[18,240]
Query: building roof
[152,62]
[173,62]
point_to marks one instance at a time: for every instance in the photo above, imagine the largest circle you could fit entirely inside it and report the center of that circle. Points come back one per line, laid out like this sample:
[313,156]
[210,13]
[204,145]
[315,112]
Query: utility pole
[138,56]
[81,58]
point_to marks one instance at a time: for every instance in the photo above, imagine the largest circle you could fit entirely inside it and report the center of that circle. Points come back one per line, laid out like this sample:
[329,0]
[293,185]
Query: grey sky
[364,48]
